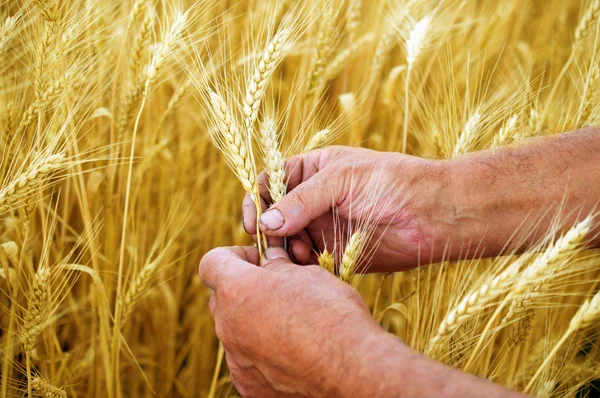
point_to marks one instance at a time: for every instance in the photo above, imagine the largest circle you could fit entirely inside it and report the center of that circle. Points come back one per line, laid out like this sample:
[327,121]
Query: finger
[303,204]
[301,246]
[249,213]
[304,166]
[275,258]
[227,262]
[212,304]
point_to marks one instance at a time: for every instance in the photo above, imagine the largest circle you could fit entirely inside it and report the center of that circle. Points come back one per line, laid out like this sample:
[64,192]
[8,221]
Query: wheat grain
[274,161]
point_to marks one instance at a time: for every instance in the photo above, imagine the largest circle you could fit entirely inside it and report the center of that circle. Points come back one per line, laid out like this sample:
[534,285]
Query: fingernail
[272,219]
[274,253]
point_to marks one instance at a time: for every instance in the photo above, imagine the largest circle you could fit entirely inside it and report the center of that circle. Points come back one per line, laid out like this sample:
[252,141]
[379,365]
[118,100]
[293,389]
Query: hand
[292,331]
[286,330]
[399,194]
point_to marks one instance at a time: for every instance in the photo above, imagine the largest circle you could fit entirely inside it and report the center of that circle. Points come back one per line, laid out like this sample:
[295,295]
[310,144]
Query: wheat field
[122,164]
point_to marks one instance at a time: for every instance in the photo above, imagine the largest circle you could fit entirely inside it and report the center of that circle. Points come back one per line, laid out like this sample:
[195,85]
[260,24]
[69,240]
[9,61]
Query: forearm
[385,367]
[515,194]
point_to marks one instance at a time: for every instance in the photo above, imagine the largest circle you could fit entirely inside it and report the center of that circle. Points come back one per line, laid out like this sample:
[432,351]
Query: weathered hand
[292,331]
[397,193]
[286,330]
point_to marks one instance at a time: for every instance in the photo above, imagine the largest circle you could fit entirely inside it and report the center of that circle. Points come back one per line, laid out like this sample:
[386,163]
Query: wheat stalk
[273,160]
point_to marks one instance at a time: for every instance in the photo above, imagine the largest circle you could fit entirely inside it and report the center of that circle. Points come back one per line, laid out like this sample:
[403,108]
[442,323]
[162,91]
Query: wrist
[381,365]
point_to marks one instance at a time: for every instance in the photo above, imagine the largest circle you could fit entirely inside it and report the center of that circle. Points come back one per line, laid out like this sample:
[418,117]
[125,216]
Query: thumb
[305,203]
[274,258]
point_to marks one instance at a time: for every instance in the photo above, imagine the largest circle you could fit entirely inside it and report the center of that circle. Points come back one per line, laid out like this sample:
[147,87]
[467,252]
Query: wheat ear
[47,390]
[586,22]
[327,261]
[7,34]
[273,160]
[30,181]
[322,51]
[544,267]
[318,140]
[351,254]
[233,145]
[49,11]
[353,19]
[335,65]
[38,301]
[139,286]
[261,76]
[585,317]
[414,45]
[141,43]
[589,99]
[507,132]
[467,135]
[472,304]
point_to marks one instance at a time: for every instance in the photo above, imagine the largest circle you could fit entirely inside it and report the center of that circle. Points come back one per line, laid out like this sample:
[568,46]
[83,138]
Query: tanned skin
[298,331]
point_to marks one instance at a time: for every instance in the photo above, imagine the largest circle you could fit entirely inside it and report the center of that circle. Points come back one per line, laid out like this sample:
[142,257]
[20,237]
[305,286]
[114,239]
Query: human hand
[286,330]
[399,194]
[292,331]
